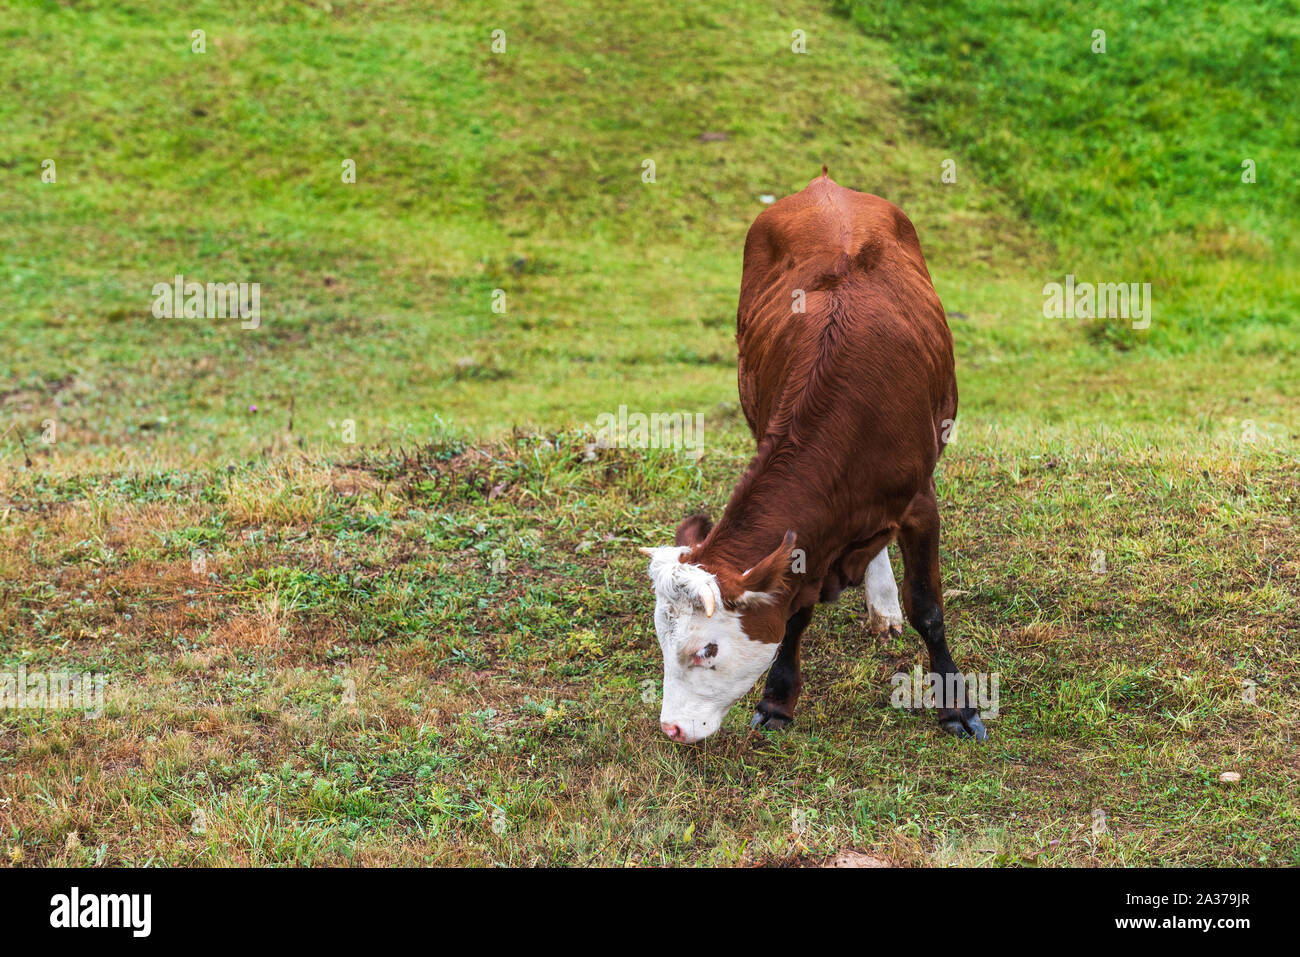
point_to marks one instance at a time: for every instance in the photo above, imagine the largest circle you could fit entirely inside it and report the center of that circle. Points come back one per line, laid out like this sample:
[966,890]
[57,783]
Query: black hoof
[964,724]
[768,717]
[887,633]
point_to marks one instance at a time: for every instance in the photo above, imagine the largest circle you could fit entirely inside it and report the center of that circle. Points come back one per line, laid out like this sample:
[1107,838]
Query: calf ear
[693,530]
[766,579]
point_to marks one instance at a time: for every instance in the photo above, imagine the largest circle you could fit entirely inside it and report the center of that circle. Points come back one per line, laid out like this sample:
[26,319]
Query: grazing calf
[846,378]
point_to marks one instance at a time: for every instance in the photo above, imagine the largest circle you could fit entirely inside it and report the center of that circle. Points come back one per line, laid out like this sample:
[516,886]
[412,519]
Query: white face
[709,662]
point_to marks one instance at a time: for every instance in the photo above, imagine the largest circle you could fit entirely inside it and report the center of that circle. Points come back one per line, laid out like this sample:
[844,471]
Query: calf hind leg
[918,536]
[882,597]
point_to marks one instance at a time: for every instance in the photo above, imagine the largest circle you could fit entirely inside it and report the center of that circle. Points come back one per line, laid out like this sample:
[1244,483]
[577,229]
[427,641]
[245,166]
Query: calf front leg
[918,535]
[784,682]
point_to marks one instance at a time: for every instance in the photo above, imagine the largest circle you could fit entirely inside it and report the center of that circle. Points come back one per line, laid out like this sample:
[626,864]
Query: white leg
[882,596]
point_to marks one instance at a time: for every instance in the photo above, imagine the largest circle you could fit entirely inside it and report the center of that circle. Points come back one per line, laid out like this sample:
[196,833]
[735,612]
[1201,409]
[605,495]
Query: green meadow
[366,592]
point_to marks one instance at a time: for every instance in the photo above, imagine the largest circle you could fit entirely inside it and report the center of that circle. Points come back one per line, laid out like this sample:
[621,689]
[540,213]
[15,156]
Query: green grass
[434,645]
[375,664]
[519,172]
[1130,161]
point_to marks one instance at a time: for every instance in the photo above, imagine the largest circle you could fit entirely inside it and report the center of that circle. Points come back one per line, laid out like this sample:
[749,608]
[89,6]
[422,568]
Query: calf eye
[706,654]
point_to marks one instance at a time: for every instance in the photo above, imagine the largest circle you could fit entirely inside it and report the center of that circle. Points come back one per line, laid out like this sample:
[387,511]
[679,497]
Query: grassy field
[433,644]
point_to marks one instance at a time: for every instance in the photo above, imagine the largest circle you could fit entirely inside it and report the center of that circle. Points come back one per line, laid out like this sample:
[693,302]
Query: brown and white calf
[846,378]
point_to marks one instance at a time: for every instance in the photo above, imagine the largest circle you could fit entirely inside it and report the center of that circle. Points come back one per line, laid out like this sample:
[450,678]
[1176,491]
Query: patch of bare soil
[852,858]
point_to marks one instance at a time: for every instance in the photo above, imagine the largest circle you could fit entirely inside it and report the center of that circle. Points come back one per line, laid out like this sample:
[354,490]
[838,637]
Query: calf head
[719,628]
